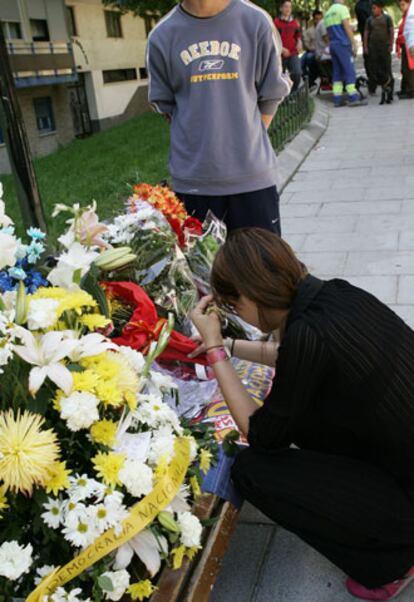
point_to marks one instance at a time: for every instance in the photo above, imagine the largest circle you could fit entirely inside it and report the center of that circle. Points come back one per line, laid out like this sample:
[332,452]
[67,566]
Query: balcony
[41,63]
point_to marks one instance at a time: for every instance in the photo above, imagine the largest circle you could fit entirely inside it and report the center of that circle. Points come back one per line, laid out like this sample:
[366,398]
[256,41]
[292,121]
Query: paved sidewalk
[348,212]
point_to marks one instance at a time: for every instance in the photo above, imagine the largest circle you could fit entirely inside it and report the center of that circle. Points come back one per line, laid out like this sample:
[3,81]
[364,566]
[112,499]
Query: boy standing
[214,69]
[407,80]
[378,45]
[343,48]
[291,36]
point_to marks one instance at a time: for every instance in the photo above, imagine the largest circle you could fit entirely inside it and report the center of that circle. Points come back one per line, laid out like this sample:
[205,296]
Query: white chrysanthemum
[116,509]
[190,528]
[162,445]
[82,487]
[42,313]
[120,583]
[134,358]
[15,560]
[154,412]
[80,528]
[104,519]
[54,515]
[80,410]
[137,477]
[60,595]
[42,572]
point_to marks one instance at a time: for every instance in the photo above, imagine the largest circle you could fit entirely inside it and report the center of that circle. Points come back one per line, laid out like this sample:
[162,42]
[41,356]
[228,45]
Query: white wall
[95,52]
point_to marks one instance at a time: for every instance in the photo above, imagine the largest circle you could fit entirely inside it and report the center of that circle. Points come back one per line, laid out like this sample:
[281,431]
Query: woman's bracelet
[215,347]
[233,342]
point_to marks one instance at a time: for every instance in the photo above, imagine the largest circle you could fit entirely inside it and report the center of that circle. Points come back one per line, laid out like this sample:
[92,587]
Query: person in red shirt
[407,81]
[290,33]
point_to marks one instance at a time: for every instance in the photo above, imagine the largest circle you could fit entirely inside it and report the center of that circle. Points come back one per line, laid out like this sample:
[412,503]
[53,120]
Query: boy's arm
[271,84]
[160,94]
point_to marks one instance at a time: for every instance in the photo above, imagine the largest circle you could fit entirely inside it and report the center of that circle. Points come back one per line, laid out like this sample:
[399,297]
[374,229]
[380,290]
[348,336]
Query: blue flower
[17,273]
[6,282]
[36,234]
[34,250]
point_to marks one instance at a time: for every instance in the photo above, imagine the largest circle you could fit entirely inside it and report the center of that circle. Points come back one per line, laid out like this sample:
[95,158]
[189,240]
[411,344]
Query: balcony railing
[41,63]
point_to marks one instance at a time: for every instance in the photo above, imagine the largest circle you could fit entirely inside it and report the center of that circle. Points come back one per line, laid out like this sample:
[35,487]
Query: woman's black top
[344,380]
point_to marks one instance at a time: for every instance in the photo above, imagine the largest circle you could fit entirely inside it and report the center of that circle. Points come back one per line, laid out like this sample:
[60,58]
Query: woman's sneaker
[384,593]
[355,100]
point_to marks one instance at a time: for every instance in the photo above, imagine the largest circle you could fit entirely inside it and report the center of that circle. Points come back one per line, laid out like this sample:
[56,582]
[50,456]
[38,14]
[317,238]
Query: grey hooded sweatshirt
[214,77]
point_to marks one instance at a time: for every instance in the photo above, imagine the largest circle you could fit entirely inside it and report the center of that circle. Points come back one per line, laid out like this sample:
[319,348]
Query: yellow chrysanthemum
[58,478]
[94,321]
[205,460]
[104,432]
[117,381]
[195,486]
[141,590]
[3,499]
[26,452]
[75,300]
[85,382]
[107,467]
[178,554]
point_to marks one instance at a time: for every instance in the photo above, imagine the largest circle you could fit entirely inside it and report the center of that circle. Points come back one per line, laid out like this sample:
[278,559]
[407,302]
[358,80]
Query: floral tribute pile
[98,475]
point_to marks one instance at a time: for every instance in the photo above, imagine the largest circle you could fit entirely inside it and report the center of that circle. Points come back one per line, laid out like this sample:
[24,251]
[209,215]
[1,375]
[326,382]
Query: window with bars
[113,24]
[45,119]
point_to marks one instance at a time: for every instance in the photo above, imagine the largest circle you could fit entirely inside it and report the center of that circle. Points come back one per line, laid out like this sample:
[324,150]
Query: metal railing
[292,115]
[23,47]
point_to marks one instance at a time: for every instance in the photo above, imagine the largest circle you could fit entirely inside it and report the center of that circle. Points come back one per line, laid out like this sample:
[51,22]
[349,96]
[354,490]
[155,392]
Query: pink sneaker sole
[390,591]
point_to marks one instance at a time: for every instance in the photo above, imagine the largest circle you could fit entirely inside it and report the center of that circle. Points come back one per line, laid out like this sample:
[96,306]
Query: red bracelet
[217,355]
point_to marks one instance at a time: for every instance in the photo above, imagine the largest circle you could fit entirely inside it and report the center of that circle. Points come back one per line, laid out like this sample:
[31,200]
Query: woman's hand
[207,323]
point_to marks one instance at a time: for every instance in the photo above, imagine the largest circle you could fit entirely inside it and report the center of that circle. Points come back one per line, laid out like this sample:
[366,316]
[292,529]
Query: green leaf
[105,583]
[90,284]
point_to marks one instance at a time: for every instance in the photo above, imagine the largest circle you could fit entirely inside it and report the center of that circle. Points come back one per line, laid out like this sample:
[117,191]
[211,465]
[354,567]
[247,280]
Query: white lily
[4,219]
[90,345]
[45,353]
[147,547]
[77,259]
[8,248]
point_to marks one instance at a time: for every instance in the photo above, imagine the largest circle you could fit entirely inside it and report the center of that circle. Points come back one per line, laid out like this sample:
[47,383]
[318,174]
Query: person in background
[323,55]
[363,12]
[407,79]
[308,59]
[215,72]
[409,34]
[378,45]
[290,33]
[343,48]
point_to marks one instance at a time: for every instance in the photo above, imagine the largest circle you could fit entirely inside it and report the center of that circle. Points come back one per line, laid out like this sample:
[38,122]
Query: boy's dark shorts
[259,208]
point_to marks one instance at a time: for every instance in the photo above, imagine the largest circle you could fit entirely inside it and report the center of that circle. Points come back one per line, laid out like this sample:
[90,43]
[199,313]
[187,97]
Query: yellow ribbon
[141,515]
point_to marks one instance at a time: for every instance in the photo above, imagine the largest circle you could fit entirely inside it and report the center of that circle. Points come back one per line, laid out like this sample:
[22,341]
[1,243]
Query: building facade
[109,49]
[43,67]
[79,67]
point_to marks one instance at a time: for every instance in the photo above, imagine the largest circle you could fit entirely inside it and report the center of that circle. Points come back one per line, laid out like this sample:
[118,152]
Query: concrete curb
[295,153]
